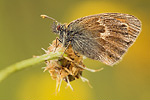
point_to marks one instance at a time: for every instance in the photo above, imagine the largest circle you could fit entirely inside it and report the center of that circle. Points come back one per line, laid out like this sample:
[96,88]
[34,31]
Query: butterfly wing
[104,37]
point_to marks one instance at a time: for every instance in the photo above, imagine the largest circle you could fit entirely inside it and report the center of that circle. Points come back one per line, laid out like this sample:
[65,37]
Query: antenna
[45,16]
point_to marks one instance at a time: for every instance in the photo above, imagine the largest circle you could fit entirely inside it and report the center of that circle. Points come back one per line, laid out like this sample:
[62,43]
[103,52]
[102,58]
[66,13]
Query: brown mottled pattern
[105,37]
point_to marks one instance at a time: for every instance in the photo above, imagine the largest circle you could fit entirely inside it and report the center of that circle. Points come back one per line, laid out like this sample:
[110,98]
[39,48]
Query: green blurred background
[23,33]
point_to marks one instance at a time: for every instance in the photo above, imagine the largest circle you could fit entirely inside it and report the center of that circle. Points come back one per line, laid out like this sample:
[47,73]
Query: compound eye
[58,27]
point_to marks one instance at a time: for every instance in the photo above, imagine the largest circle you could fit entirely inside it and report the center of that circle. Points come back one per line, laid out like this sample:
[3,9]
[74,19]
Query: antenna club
[44,16]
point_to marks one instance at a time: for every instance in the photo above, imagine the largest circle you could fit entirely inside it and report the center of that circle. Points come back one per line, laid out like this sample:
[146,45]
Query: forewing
[105,37]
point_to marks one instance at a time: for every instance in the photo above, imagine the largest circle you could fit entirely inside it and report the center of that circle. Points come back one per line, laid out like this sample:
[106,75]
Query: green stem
[27,63]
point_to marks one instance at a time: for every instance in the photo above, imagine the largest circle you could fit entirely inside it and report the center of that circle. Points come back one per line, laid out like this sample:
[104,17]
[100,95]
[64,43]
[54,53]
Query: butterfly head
[60,29]
[57,28]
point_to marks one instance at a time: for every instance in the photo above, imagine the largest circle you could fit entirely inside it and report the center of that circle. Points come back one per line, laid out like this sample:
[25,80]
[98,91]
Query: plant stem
[27,63]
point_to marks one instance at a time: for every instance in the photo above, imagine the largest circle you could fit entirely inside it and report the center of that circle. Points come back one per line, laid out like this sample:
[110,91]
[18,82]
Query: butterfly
[105,37]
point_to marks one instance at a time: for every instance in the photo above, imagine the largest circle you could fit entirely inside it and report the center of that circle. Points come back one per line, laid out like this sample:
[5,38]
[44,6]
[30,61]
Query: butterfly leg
[76,54]
[66,48]
[85,68]
[57,44]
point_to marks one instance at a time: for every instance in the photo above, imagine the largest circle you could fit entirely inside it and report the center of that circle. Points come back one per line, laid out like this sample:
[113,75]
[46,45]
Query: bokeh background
[23,33]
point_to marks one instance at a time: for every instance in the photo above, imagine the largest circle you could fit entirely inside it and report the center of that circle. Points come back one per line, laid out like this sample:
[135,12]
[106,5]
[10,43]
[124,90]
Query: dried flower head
[67,68]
